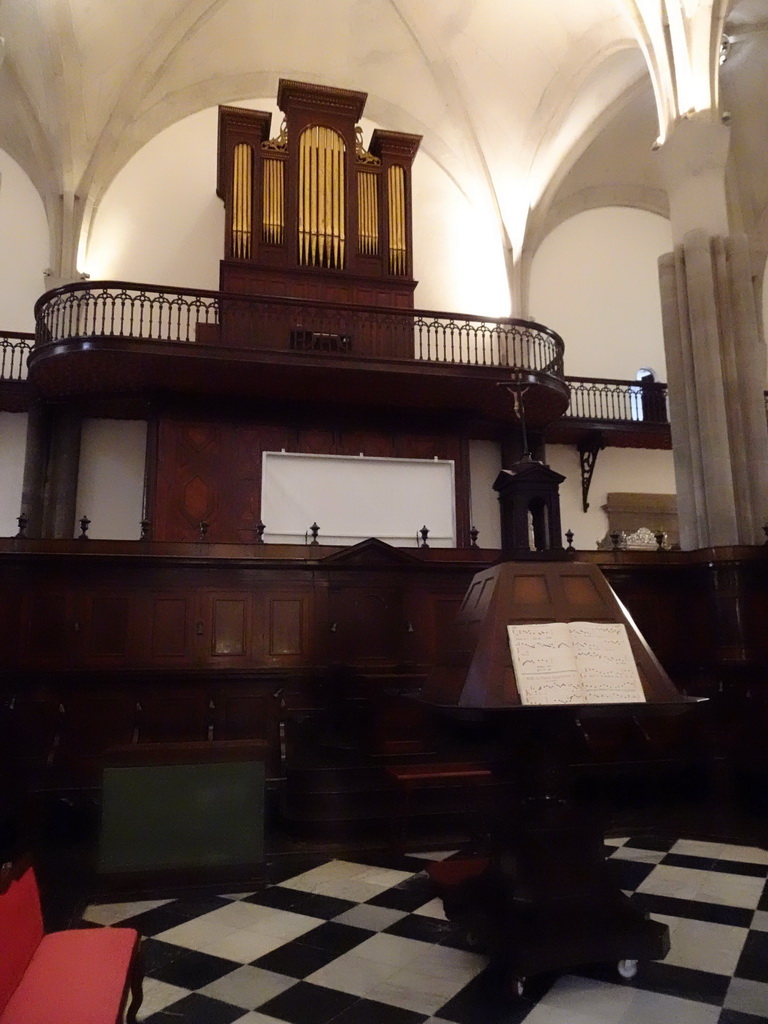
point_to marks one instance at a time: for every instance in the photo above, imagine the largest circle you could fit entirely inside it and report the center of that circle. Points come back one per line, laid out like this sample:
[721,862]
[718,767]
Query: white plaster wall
[484,467]
[160,221]
[617,469]
[457,254]
[24,252]
[110,484]
[13,439]
[594,280]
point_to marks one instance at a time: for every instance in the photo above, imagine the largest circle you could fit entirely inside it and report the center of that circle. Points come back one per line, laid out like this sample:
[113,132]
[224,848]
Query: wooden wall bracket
[589,447]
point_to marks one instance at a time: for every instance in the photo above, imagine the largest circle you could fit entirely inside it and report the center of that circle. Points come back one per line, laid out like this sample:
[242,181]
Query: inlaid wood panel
[191,474]
[212,472]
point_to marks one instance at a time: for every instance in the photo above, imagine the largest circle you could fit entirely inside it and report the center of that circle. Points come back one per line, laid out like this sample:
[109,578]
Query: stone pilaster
[716,368]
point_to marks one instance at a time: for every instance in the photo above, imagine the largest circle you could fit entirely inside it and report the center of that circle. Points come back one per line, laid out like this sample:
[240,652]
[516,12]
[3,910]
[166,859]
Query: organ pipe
[273,218]
[398,251]
[242,201]
[368,213]
[321,198]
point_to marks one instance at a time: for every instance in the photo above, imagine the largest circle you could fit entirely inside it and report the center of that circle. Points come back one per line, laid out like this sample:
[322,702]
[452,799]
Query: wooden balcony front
[120,342]
[110,346]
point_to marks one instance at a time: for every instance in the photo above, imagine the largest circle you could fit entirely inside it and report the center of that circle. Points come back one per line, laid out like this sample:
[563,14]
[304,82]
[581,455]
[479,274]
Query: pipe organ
[310,212]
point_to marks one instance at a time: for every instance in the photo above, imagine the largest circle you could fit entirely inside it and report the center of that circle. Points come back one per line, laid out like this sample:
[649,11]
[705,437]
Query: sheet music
[574,663]
[545,665]
[606,664]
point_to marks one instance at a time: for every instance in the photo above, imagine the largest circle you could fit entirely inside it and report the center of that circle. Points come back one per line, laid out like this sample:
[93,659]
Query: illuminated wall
[24,252]
[595,281]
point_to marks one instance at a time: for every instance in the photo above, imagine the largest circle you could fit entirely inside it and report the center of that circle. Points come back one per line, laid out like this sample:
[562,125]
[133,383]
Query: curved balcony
[15,349]
[114,338]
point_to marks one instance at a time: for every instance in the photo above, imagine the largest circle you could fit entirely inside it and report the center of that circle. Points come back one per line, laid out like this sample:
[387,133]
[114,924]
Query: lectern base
[544,900]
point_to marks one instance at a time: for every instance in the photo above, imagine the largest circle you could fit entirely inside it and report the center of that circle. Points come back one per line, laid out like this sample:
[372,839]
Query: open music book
[574,663]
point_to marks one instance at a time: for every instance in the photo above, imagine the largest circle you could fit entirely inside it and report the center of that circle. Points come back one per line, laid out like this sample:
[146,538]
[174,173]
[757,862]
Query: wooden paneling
[170,617]
[49,626]
[229,626]
[211,472]
[107,626]
[107,640]
[285,626]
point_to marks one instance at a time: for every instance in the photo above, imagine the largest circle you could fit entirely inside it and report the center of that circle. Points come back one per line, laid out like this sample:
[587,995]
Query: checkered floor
[356,943]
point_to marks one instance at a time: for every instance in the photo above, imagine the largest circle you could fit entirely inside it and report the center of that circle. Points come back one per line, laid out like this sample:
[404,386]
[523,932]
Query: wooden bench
[79,976]
[410,779]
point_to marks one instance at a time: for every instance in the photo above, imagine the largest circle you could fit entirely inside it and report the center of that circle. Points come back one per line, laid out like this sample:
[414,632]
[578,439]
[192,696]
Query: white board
[352,498]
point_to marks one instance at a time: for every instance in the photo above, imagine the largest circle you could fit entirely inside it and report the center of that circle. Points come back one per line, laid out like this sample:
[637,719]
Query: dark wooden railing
[15,346]
[601,400]
[176,316]
[150,313]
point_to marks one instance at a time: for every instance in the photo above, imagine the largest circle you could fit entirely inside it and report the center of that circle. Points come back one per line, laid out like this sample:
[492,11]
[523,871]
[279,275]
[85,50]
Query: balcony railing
[617,401]
[181,317]
[14,349]
[149,313]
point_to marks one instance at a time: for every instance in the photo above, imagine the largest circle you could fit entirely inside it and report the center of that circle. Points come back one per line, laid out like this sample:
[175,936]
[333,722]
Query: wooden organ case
[310,213]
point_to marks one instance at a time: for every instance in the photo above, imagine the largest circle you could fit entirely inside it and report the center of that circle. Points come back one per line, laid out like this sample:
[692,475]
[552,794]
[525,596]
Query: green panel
[182,816]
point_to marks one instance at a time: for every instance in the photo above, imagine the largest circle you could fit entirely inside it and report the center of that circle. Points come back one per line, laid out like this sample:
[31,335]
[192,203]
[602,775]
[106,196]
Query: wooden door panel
[367,625]
[226,618]
[284,627]
[49,627]
[228,626]
[170,628]
[106,625]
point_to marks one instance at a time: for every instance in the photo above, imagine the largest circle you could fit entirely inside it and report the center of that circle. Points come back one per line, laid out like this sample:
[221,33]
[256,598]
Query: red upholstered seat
[79,976]
[21,931]
[74,976]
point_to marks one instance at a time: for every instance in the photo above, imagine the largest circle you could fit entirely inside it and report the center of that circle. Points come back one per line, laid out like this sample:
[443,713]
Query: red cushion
[74,977]
[21,930]
[454,872]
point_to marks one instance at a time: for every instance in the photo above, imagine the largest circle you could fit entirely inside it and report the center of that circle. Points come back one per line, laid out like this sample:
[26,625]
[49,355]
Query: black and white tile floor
[353,943]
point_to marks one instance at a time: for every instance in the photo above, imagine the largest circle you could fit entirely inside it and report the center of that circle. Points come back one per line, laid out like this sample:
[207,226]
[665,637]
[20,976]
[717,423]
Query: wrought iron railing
[14,349]
[623,401]
[176,316]
[171,315]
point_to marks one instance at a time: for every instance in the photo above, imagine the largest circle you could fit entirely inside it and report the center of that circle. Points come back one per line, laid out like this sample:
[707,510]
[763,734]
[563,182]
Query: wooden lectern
[545,900]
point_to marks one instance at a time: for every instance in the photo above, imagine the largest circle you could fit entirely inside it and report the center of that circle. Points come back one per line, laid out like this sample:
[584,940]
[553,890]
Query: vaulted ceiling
[536,109]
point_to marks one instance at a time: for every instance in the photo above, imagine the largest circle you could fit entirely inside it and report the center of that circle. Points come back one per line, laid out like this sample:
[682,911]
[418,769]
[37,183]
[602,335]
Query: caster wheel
[627,968]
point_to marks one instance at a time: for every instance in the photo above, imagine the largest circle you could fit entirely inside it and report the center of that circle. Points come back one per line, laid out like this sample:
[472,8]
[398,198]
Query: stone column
[63,470]
[35,462]
[715,352]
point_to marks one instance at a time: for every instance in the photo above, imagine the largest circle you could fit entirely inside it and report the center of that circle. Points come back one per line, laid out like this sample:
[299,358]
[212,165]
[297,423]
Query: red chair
[80,976]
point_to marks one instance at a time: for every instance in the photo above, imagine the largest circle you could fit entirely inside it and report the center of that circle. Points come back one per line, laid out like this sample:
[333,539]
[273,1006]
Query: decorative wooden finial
[474,533]
[145,525]
[314,530]
[23,522]
[203,527]
[569,538]
[423,533]
[260,528]
[85,522]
